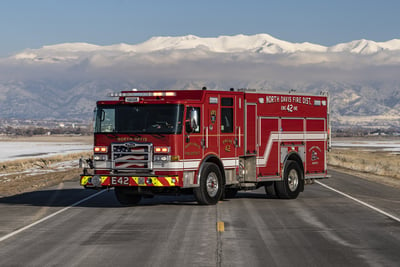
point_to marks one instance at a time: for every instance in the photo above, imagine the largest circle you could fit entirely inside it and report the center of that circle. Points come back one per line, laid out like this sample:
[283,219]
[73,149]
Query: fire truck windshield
[149,118]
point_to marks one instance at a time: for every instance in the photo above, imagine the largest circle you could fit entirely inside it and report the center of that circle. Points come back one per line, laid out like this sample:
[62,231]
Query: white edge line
[360,202]
[49,216]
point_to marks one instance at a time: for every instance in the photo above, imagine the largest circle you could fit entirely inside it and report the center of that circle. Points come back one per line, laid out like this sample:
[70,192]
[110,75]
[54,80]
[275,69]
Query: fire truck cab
[207,142]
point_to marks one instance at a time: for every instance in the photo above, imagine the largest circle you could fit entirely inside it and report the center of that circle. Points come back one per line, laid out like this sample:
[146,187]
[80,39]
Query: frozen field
[373,145]
[20,150]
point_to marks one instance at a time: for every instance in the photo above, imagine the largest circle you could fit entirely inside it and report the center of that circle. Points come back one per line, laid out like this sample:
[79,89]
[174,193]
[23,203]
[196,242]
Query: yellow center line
[220,226]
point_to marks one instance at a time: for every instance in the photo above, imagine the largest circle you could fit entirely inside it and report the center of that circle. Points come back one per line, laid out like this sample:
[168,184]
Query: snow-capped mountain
[366,47]
[259,43]
[64,80]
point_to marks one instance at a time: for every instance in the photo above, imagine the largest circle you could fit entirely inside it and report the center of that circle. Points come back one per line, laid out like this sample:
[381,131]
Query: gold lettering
[192,144]
[193,153]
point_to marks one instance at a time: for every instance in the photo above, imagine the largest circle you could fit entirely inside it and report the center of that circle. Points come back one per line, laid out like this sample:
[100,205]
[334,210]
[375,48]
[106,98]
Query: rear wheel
[127,196]
[292,182]
[270,189]
[211,188]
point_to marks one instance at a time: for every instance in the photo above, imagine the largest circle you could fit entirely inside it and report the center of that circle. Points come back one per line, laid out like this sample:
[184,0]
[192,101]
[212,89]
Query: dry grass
[18,184]
[382,165]
[43,163]
[16,180]
[19,176]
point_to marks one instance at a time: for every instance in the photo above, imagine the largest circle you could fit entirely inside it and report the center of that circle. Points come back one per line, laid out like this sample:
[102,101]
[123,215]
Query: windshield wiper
[135,135]
[158,135]
[112,135]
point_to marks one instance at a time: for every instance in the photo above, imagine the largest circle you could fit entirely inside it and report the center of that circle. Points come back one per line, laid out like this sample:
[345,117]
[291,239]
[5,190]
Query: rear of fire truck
[137,139]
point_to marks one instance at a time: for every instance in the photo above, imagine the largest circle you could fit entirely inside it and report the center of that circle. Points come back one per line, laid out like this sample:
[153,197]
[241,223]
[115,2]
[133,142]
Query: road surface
[69,226]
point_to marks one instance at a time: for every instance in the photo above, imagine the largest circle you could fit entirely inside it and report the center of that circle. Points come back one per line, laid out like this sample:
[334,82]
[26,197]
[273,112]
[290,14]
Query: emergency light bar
[141,94]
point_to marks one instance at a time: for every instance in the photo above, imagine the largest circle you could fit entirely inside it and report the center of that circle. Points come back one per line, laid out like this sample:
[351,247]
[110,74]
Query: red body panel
[233,126]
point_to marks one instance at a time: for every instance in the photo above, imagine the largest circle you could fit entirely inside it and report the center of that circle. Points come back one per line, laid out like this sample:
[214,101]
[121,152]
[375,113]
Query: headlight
[162,158]
[100,157]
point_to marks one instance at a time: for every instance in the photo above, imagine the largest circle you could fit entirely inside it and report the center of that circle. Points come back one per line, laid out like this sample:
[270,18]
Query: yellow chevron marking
[103,178]
[85,180]
[141,181]
[156,182]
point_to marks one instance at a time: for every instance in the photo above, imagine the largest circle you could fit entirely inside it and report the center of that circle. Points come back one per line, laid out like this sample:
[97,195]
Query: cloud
[195,65]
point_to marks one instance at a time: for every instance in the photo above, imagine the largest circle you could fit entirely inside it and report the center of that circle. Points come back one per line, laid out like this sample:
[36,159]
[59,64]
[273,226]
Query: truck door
[228,131]
[211,130]
[193,149]
[251,137]
[231,130]
[239,125]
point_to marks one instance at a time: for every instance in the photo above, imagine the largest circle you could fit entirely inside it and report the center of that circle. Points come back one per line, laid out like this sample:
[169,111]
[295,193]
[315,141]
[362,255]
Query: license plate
[119,180]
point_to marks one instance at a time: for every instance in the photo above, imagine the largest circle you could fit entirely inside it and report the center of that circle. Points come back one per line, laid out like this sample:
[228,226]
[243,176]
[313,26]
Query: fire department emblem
[314,152]
[228,148]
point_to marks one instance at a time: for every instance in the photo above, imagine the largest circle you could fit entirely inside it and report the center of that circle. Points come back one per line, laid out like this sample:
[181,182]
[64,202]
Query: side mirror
[193,122]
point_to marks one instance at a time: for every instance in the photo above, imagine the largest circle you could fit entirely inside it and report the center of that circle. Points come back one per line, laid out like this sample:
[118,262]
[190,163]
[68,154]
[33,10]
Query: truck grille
[132,156]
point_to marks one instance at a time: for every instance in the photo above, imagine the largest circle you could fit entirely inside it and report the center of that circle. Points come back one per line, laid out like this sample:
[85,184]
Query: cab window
[227,115]
[188,111]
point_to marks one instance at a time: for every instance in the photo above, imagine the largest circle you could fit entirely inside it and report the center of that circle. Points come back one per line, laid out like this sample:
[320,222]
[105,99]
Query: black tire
[211,188]
[231,192]
[270,189]
[293,181]
[127,196]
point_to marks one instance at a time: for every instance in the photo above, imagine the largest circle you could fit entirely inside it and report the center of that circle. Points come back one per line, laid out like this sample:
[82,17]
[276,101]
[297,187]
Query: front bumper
[93,181]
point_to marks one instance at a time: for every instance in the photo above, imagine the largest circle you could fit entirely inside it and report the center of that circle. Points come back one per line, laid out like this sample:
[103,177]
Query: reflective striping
[85,180]
[291,136]
[230,162]
[135,181]
[155,181]
[103,179]
[191,164]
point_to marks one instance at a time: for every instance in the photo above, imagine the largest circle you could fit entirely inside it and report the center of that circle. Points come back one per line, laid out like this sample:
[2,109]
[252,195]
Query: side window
[105,122]
[188,110]
[227,115]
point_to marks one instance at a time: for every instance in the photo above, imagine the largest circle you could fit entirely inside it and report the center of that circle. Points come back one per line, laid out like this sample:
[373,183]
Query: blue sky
[34,23]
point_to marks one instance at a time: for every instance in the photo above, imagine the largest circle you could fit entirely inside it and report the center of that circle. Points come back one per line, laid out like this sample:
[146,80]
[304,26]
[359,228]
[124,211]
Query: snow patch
[21,150]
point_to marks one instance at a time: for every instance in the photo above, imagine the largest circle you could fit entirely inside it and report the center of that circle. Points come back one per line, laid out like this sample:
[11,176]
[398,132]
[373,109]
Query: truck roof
[174,96]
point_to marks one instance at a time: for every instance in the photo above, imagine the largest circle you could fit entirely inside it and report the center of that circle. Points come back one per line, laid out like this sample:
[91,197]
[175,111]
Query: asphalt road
[320,228]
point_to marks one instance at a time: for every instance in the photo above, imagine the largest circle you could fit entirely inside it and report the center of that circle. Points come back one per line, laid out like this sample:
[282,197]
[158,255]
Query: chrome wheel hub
[212,184]
[293,180]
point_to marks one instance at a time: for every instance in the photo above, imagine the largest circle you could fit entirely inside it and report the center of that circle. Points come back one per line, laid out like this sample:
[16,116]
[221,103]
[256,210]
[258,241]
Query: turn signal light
[175,158]
[100,149]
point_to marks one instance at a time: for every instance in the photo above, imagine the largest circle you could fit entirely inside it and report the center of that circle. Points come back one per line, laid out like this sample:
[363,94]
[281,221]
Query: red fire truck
[209,143]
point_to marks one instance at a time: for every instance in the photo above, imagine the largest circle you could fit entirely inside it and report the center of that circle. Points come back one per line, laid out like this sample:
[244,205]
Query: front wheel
[231,192]
[292,182]
[127,196]
[211,188]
